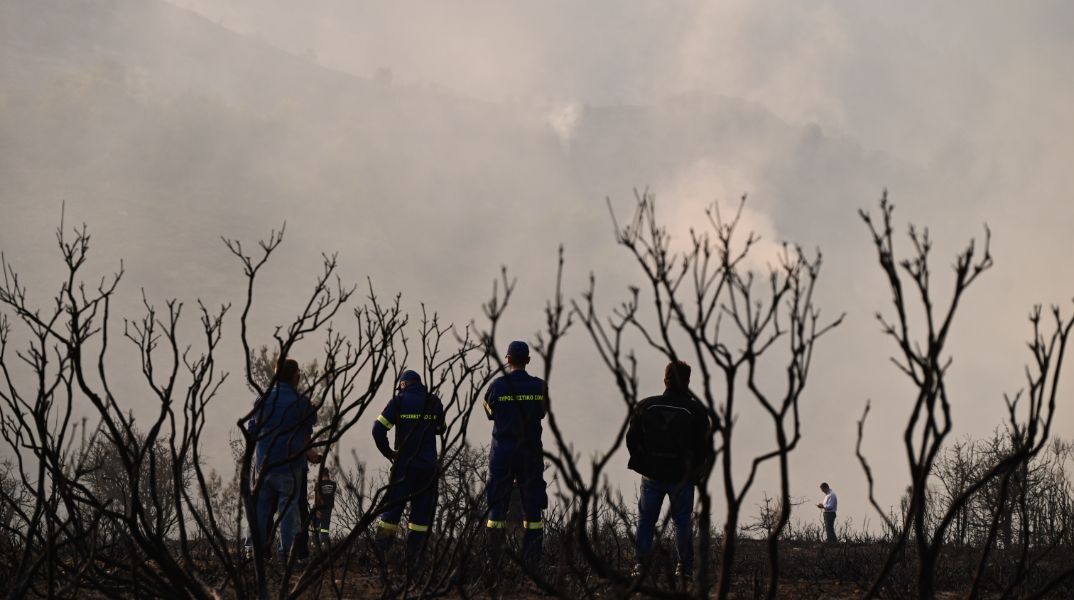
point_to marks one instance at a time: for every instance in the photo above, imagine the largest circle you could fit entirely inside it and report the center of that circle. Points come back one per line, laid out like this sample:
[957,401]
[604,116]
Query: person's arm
[384,422]
[312,455]
[490,402]
[544,399]
[703,448]
[706,450]
[251,423]
[634,432]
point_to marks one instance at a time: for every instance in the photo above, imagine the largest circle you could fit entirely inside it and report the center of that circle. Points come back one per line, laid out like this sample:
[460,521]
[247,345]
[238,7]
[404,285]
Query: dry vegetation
[112,508]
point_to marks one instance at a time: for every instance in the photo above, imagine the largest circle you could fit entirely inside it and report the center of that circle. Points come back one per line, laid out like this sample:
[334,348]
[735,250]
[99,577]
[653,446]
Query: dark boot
[415,551]
[384,541]
[495,539]
[382,545]
[532,546]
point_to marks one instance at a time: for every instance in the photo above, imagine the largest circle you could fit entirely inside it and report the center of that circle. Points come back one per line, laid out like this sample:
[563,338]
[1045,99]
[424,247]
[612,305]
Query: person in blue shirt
[418,418]
[282,425]
[516,404]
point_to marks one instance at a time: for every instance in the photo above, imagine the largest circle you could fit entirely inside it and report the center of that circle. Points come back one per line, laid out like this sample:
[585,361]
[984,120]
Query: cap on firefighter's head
[410,377]
[518,350]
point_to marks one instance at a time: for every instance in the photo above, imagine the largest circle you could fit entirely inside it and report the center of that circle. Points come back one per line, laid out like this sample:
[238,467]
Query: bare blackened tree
[453,365]
[94,499]
[922,357]
[126,508]
[710,308]
[65,364]
[1042,484]
[106,478]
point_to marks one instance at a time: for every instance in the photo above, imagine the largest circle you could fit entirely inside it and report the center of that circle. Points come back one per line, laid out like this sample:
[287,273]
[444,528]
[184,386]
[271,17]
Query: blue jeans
[682,504]
[279,496]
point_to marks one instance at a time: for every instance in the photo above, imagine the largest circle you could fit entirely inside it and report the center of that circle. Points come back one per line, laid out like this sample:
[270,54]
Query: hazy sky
[446,139]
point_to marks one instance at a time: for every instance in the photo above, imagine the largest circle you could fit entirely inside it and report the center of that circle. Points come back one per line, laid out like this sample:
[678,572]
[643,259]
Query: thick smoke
[429,143]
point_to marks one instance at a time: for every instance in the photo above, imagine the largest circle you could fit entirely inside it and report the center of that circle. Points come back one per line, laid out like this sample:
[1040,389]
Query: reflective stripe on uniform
[389,526]
[496,524]
[416,527]
[385,422]
[323,530]
[533,524]
[488,408]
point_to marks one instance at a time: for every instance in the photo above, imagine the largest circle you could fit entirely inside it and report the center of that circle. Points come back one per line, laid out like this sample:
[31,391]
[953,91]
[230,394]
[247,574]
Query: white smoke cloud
[788,64]
[706,185]
[563,120]
[834,95]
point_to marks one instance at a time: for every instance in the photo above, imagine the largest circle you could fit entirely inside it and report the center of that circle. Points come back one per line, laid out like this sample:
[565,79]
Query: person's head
[824,488]
[518,355]
[287,371]
[408,378]
[677,376]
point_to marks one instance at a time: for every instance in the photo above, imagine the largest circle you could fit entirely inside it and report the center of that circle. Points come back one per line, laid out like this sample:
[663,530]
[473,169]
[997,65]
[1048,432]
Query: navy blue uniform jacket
[516,403]
[418,417]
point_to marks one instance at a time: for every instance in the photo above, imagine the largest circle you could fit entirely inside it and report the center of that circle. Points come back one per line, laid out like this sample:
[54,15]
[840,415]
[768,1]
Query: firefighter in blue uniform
[516,404]
[418,418]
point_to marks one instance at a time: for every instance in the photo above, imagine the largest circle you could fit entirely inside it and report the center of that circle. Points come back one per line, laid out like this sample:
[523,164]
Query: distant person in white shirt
[829,506]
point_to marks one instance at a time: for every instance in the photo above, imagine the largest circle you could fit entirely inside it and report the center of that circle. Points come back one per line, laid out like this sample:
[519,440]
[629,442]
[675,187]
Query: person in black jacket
[670,444]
